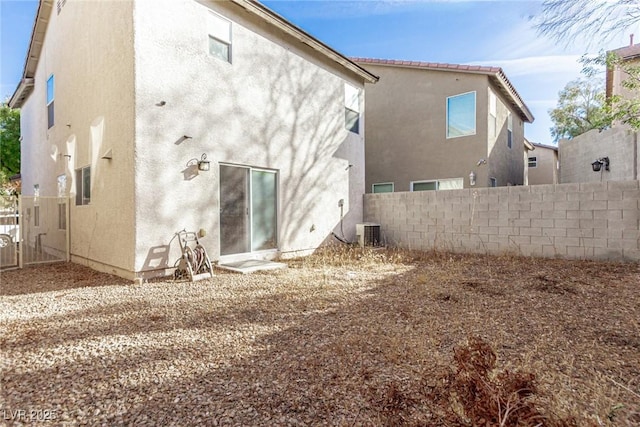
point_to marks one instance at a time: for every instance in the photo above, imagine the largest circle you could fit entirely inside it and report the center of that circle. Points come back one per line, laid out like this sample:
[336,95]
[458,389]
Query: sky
[480,32]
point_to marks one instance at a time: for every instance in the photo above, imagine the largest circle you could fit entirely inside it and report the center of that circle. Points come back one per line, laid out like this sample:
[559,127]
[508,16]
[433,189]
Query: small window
[83,186]
[438,184]
[36,216]
[351,108]
[385,187]
[62,215]
[461,115]
[493,182]
[493,114]
[424,185]
[509,130]
[219,37]
[50,97]
[533,162]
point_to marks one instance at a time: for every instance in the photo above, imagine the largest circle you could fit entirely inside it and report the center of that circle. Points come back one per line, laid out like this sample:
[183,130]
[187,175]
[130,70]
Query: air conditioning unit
[368,234]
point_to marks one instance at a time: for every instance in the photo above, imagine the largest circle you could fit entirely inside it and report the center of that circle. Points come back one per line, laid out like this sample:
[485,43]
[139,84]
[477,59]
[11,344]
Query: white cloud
[554,64]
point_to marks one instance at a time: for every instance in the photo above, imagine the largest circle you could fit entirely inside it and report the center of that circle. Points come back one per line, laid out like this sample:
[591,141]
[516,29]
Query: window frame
[81,200]
[50,101]
[475,113]
[373,187]
[437,183]
[352,96]
[218,37]
[509,130]
[532,163]
[493,113]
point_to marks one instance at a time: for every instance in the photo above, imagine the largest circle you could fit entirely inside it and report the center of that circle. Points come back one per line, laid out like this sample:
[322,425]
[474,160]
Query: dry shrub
[470,393]
[344,255]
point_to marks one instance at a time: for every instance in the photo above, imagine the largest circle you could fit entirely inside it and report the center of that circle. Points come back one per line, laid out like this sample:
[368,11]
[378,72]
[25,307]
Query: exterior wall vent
[368,234]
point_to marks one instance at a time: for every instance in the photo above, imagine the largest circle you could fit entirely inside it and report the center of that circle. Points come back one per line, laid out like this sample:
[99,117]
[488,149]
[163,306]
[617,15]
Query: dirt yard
[340,338]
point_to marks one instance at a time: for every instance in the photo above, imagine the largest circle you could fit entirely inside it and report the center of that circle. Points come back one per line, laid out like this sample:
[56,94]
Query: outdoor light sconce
[597,165]
[203,163]
[472,178]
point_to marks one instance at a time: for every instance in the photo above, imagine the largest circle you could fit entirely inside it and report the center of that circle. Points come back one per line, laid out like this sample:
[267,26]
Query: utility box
[368,234]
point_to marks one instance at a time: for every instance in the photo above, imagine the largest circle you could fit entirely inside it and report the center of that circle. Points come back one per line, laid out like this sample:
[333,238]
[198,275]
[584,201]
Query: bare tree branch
[594,20]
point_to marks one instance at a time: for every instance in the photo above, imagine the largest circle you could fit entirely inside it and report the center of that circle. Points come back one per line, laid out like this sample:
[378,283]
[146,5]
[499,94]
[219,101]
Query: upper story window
[461,115]
[219,37]
[533,162]
[352,108]
[50,115]
[493,113]
[509,130]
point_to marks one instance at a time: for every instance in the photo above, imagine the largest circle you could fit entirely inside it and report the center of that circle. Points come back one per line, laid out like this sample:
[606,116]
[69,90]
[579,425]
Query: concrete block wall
[582,221]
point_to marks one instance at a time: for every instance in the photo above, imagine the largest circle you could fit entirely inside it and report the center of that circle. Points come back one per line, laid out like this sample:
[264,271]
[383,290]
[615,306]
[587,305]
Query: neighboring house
[542,164]
[615,75]
[435,126]
[160,115]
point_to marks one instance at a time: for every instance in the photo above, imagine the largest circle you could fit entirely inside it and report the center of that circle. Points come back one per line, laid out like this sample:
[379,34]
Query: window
[62,185]
[351,108]
[493,182]
[36,216]
[219,37]
[83,186]
[50,116]
[509,130]
[384,187]
[533,162]
[493,113]
[438,184]
[461,115]
[62,215]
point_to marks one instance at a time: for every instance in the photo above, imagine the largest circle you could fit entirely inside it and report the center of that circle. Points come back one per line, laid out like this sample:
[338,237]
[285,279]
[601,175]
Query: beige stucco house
[124,103]
[434,126]
[616,76]
[542,164]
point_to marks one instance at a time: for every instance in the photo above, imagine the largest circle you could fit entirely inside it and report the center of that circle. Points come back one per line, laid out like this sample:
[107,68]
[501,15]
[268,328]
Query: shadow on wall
[298,131]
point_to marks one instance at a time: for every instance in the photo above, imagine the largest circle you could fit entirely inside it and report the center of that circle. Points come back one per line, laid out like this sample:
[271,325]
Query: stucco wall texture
[276,106]
[580,221]
[618,143]
[138,87]
[92,65]
[546,171]
[406,130]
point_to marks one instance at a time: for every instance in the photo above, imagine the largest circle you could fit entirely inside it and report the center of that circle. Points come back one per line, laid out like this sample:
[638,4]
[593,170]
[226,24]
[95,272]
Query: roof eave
[40,24]
[22,92]
[518,103]
[286,26]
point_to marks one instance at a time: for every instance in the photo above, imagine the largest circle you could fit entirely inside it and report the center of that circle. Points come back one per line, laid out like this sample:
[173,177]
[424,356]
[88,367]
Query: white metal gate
[33,230]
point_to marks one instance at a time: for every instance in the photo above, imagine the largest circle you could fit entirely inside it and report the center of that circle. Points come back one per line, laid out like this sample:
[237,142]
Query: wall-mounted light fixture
[472,178]
[203,163]
[597,165]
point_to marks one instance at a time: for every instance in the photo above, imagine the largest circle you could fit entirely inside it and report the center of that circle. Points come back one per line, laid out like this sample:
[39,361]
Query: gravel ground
[319,343]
